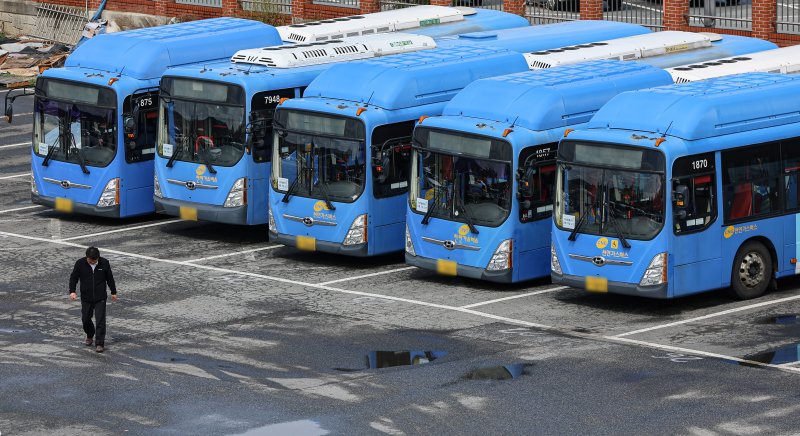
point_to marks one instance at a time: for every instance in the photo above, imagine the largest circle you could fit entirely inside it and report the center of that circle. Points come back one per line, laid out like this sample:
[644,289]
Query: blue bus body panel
[730,45]
[547,36]
[414,79]
[540,104]
[705,116]
[481,20]
[146,53]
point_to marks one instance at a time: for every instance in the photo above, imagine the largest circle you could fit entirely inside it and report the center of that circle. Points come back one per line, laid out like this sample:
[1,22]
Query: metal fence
[58,23]
[390,5]
[552,11]
[788,16]
[339,3]
[283,7]
[721,14]
[207,3]
[648,13]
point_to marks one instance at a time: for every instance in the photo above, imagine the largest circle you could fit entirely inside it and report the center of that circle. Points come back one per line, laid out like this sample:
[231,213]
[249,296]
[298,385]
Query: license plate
[189,213]
[596,284]
[446,267]
[306,243]
[63,205]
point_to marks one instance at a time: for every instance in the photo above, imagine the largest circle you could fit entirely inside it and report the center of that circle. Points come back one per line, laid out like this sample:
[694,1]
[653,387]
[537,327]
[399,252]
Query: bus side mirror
[679,196]
[9,113]
[129,125]
[524,187]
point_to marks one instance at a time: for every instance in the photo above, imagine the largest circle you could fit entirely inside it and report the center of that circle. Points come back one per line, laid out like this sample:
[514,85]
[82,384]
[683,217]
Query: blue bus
[682,189]
[236,191]
[94,131]
[387,149]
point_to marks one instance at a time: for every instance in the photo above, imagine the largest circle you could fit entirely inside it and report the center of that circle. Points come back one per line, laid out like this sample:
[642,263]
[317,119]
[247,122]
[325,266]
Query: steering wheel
[197,142]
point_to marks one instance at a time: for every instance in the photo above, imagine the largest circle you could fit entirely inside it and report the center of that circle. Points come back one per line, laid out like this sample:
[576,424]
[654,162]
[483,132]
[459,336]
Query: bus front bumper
[579,282]
[472,272]
[360,250]
[203,212]
[79,208]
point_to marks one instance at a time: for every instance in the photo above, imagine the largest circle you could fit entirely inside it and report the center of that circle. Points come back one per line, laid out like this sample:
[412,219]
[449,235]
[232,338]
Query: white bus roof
[337,50]
[379,22]
[780,60]
[629,48]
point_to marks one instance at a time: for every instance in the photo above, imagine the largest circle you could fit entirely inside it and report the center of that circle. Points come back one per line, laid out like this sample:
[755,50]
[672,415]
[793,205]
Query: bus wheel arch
[753,268]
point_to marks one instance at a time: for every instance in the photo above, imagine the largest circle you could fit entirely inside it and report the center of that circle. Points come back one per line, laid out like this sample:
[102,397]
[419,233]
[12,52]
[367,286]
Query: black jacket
[93,283]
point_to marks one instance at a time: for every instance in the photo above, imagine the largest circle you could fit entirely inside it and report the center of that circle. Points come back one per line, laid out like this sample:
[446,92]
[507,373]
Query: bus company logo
[200,172]
[614,253]
[728,232]
[320,209]
[462,235]
[201,169]
[602,243]
[731,230]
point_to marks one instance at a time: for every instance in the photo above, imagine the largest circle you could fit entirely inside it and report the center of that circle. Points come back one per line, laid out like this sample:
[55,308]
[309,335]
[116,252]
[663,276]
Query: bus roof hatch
[780,60]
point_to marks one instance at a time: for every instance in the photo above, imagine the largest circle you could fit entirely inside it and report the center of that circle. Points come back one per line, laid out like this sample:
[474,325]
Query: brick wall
[675,13]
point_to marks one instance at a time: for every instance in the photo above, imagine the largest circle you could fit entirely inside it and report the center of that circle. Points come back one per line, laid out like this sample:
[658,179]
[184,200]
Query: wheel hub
[751,270]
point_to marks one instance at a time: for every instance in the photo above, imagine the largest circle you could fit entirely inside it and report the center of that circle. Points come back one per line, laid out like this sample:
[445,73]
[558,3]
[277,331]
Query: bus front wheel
[752,271]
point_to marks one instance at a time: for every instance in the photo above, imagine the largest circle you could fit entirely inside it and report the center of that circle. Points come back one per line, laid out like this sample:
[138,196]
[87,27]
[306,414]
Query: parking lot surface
[220,331]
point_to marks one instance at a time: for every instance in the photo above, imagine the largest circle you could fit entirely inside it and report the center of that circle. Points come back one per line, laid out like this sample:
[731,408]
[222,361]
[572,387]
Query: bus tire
[752,271]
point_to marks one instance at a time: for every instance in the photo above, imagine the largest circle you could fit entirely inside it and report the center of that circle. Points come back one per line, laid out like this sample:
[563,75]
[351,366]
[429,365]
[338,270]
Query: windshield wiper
[292,188]
[81,161]
[326,196]
[580,222]
[428,214]
[615,224]
[177,150]
[50,152]
[206,160]
[468,216]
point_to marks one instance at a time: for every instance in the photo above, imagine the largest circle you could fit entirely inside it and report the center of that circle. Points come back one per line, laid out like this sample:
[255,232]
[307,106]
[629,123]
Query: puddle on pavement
[784,319]
[502,372]
[786,354]
[12,331]
[388,359]
[298,428]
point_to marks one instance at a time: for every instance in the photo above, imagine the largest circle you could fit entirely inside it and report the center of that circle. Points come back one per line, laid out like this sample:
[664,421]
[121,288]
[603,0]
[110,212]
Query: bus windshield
[319,156]
[467,184]
[201,122]
[74,123]
[610,191]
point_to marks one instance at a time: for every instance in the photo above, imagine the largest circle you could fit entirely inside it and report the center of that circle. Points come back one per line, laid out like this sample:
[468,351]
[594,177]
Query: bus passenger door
[139,125]
[696,249]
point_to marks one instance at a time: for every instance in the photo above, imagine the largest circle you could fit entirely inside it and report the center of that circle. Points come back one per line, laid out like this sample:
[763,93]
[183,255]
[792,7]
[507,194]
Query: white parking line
[15,145]
[711,315]
[20,208]
[143,226]
[527,294]
[203,259]
[347,279]
[15,176]
[611,339]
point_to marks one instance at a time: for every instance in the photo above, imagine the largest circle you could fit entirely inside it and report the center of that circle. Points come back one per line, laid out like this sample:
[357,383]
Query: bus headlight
[34,189]
[409,244]
[555,265]
[272,227]
[157,187]
[656,273]
[502,257]
[358,231]
[110,195]
[238,194]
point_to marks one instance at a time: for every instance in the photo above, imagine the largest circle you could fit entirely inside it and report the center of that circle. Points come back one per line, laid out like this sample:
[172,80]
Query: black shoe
[88,342]
[99,349]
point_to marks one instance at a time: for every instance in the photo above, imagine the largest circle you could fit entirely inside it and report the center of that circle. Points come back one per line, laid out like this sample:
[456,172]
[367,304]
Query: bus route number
[700,164]
[146,102]
[272,99]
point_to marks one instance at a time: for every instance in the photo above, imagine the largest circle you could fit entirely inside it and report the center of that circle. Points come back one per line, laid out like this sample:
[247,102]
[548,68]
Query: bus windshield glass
[201,122]
[610,190]
[319,156]
[74,123]
[460,177]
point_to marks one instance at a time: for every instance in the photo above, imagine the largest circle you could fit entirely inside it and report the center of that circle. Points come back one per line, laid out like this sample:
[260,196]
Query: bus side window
[536,175]
[391,158]
[694,193]
[790,151]
[140,121]
[261,131]
[752,182]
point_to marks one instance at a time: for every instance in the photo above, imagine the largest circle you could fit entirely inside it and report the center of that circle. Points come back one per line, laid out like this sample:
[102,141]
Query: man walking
[94,272]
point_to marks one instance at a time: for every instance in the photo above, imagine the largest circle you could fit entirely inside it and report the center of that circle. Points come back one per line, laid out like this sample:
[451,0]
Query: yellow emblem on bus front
[320,206]
[728,232]
[602,243]
[201,169]
[463,230]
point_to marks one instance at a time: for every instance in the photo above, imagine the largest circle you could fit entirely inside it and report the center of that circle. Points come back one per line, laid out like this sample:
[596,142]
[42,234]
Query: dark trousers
[99,310]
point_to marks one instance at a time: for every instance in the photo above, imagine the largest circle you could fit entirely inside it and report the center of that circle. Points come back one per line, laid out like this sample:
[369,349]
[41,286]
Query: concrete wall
[16,17]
